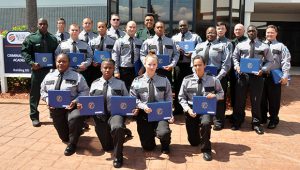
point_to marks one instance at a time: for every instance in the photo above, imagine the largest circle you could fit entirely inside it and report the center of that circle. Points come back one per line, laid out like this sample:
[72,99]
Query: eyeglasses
[115,19]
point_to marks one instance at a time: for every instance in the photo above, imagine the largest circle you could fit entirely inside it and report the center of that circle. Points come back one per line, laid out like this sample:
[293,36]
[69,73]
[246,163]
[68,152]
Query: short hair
[75,25]
[273,26]
[114,14]
[252,26]
[199,57]
[63,54]
[159,22]
[61,19]
[149,15]
[88,18]
[151,54]
[105,23]
[109,60]
[221,23]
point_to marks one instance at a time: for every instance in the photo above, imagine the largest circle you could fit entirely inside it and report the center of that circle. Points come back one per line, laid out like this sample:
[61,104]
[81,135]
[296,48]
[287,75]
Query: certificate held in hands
[122,105]
[250,65]
[160,111]
[44,59]
[203,105]
[76,59]
[213,70]
[187,46]
[276,75]
[163,60]
[91,105]
[59,98]
[99,56]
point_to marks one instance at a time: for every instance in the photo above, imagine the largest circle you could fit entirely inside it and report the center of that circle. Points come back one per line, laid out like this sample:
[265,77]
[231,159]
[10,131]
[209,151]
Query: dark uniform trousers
[127,74]
[270,102]
[255,85]
[180,71]
[68,129]
[221,104]
[90,74]
[111,132]
[166,73]
[37,76]
[199,134]
[149,130]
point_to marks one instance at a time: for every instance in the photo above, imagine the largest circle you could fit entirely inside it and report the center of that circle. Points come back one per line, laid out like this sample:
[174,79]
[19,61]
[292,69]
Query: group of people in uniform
[119,76]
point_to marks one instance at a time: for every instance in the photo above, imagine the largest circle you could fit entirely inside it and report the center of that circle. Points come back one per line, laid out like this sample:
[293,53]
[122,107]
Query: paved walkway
[25,147]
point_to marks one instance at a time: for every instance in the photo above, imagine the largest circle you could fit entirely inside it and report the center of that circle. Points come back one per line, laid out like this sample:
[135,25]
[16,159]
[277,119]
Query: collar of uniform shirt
[212,42]
[65,73]
[255,40]
[203,77]
[126,36]
[71,40]
[148,78]
[156,37]
[109,80]
[102,36]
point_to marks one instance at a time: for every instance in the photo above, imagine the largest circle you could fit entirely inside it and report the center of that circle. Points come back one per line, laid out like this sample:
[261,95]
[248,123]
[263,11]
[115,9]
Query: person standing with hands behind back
[149,88]
[199,84]
[39,42]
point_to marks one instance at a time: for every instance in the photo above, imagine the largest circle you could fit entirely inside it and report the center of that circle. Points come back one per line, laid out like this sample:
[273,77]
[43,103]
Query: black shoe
[118,162]
[207,156]
[258,129]
[70,150]
[217,127]
[235,127]
[271,125]
[165,150]
[36,123]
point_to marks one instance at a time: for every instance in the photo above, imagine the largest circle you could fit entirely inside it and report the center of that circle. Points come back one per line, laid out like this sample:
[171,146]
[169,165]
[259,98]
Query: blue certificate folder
[276,75]
[76,59]
[59,98]
[203,105]
[211,69]
[163,60]
[250,65]
[122,105]
[187,46]
[91,105]
[160,111]
[99,56]
[44,59]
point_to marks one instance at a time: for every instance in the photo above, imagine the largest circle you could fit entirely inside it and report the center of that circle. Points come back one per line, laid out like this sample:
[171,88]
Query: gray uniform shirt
[108,43]
[188,36]
[91,35]
[262,52]
[169,48]
[81,47]
[116,87]
[189,88]
[72,81]
[281,56]
[112,33]
[219,56]
[121,52]
[66,36]
[140,89]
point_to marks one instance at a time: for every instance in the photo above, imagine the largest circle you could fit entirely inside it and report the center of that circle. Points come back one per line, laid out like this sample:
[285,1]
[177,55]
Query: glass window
[183,9]
[124,11]
[206,10]
[162,9]
[139,9]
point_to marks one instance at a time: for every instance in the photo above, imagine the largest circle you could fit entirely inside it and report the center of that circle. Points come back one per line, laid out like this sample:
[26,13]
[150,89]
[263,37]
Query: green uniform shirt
[144,34]
[34,44]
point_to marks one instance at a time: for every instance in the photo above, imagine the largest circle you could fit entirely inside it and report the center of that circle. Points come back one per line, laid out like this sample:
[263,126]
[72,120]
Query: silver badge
[123,105]
[250,65]
[186,47]
[59,98]
[159,111]
[45,59]
[74,59]
[204,105]
[102,56]
[91,105]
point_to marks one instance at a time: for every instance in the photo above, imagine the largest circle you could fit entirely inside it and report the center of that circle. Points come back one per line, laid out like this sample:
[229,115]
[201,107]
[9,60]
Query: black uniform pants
[111,133]
[90,74]
[255,85]
[68,129]
[127,74]
[199,134]
[149,130]
[37,76]
[221,104]
[232,82]
[270,100]
[180,71]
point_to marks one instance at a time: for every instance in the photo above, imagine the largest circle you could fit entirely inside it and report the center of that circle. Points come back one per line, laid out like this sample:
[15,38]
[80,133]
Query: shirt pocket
[143,93]
[244,52]
[84,51]
[210,89]
[109,46]
[192,91]
[259,53]
[161,92]
[276,52]
[117,92]
[97,92]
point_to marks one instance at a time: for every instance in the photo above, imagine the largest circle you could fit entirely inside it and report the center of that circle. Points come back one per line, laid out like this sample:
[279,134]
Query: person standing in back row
[114,31]
[40,41]
[272,91]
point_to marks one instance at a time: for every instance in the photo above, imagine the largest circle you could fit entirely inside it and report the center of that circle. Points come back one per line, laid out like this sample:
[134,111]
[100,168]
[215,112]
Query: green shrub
[18,84]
